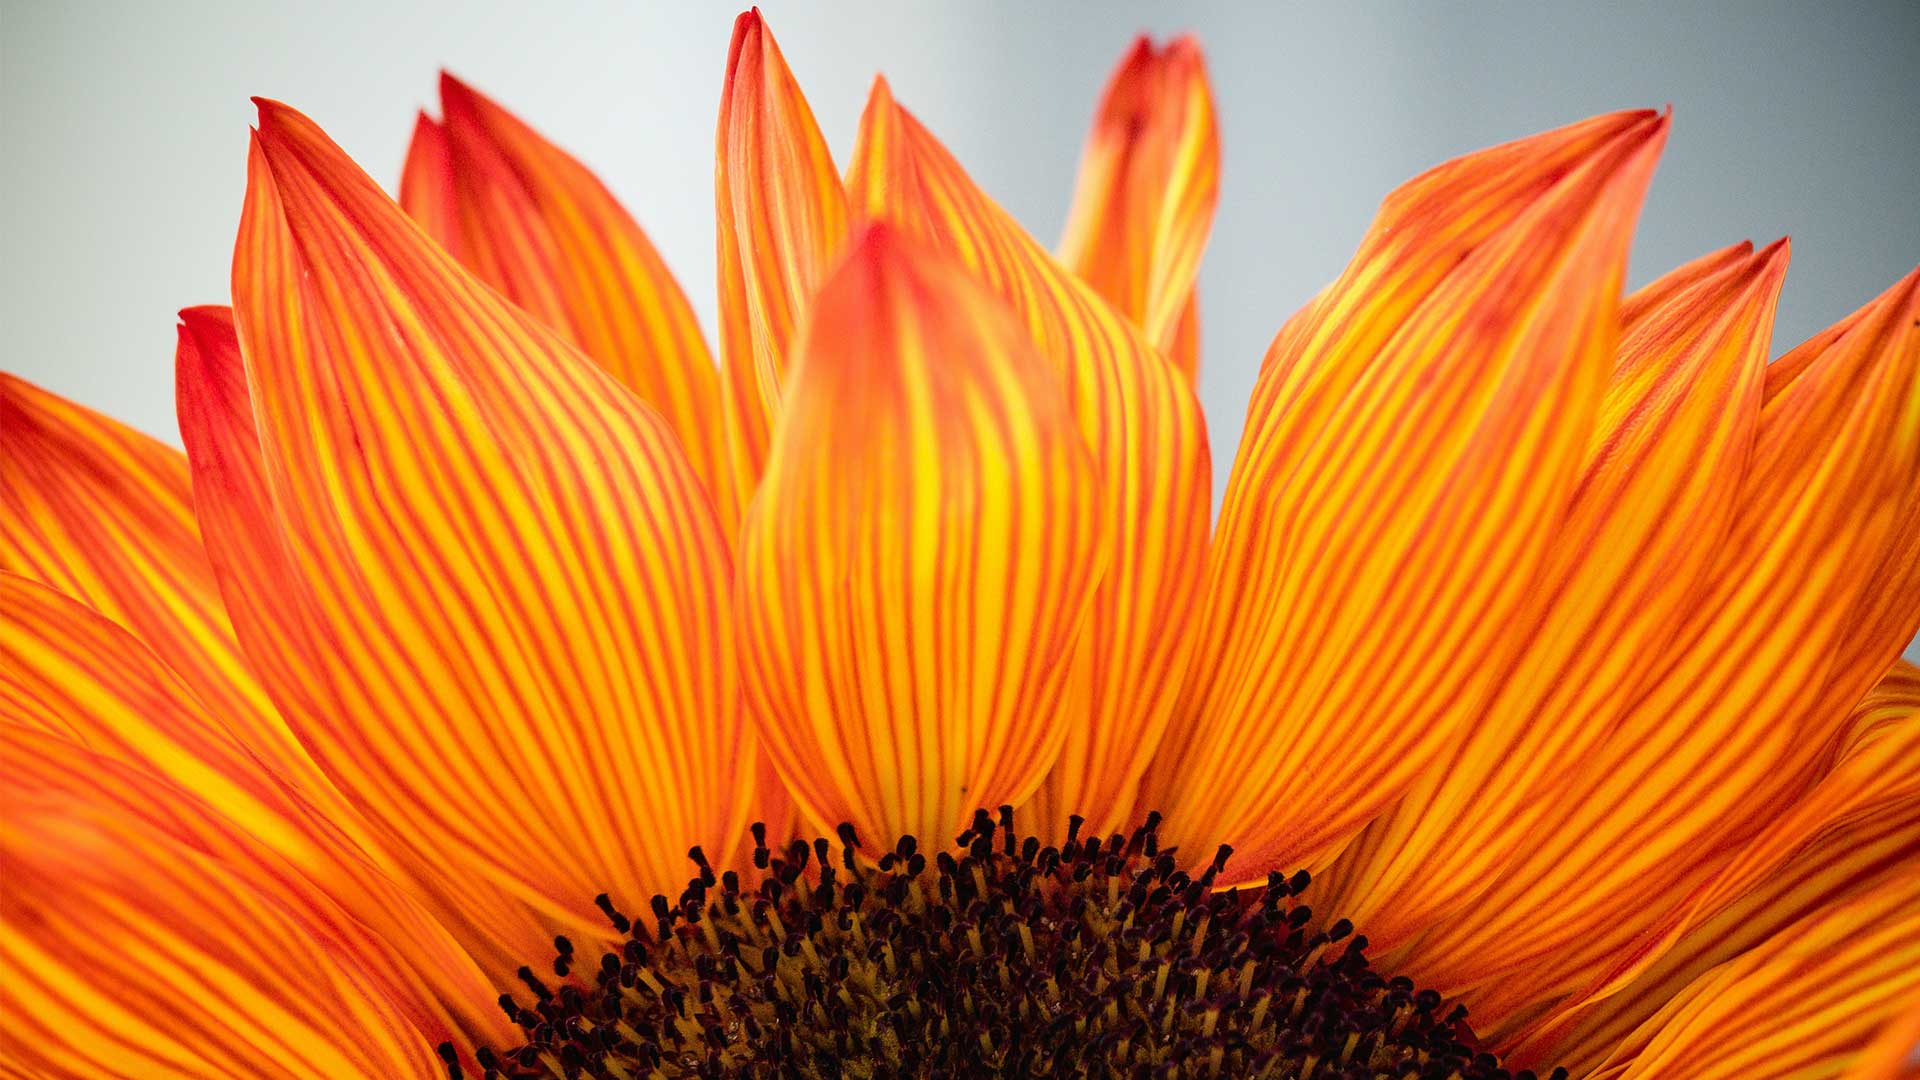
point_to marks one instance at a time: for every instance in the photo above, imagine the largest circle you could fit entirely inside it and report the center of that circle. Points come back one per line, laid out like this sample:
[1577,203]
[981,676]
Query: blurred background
[124,127]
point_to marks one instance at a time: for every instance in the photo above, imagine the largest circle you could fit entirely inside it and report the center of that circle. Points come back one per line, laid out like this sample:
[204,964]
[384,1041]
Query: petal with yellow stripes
[126,950]
[534,223]
[93,716]
[1806,1002]
[1137,415]
[1412,448]
[497,591]
[1143,204]
[1858,826]
[918,565]
[782,221]
[1654,496]
[1736,720]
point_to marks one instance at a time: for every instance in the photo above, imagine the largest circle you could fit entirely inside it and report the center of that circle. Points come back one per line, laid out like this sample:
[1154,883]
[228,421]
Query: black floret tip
[1001,957]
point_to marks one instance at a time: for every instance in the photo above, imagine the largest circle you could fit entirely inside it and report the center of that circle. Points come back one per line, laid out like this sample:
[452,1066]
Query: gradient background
[124,135]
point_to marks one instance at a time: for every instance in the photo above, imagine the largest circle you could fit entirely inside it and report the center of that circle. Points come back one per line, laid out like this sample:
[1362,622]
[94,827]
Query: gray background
[124,135]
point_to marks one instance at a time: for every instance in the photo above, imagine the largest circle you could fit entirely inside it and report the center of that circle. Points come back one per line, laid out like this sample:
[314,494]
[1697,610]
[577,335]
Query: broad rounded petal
[1655,493]
[496,590]
[1149,180]
[1411,451]
[1137,415]
[104,514]
[93,716]
[1736,719]
[535,224]
[126,950]
[1805,1003]
[918,565]
[782,219]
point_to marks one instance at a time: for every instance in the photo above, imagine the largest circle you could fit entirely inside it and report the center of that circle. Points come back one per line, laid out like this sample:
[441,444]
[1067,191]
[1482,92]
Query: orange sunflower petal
[1894,1053]
[1137,415]
[1739,718]
[1859,825]
[1655,492]
[1397,490]
[535,224]
[920,559]
[1806,1002]
[1149,181]
[496,581]
[782,217]
[126,950]
[93,716]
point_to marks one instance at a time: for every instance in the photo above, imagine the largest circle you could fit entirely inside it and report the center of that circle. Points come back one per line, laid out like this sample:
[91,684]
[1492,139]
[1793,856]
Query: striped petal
[126,949]
[782,219]
[95,717]
[1736,719]
[493,592]
[1411,449]
[103,513]
[1805,1003]
[918,565]
[1655,493]
[1856,829]
[1894,1053]
[535,224]
[1137,415]
[1143,205]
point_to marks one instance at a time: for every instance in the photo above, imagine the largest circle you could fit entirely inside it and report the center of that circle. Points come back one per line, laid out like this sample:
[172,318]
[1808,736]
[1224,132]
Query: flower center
[1000,958]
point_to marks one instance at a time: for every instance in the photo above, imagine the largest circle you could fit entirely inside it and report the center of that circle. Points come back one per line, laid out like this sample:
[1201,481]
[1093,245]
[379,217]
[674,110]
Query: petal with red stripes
[1655,494]
[782,220]
[495,591]
[918,565]
[1137,415]
[535,224]
[1410,452]
[1143,204]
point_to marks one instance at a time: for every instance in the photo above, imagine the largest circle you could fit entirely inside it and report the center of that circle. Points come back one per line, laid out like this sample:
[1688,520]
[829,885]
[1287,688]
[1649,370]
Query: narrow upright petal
[1137,415]
[1410,452]
[535,224]
[1654,497]
[127,950]
[491,592]
[1738,719]
[782,220]
[918,565]
[1143,205]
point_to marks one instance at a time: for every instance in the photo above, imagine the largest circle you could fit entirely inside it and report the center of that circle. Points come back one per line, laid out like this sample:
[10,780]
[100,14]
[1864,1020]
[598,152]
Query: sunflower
[499,686]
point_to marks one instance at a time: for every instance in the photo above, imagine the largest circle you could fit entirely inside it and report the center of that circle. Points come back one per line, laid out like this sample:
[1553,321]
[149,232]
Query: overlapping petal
[496,592]
[917,568]
[1412,446]
[1740,715]
[1139,418]
[535,224]
[1144,201]
[782,222]
[1654,496]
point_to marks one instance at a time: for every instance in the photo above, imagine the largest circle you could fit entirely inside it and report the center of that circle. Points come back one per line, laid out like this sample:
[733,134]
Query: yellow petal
[1857,827]
[1735,720]
[1149,180]
[128,950]
[93,716]
[497,592]
[919,561]
[1655,492]
[1805,1003]
[1412,447]
[1142,424]
[782,218]
[104,514]
[535,224]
